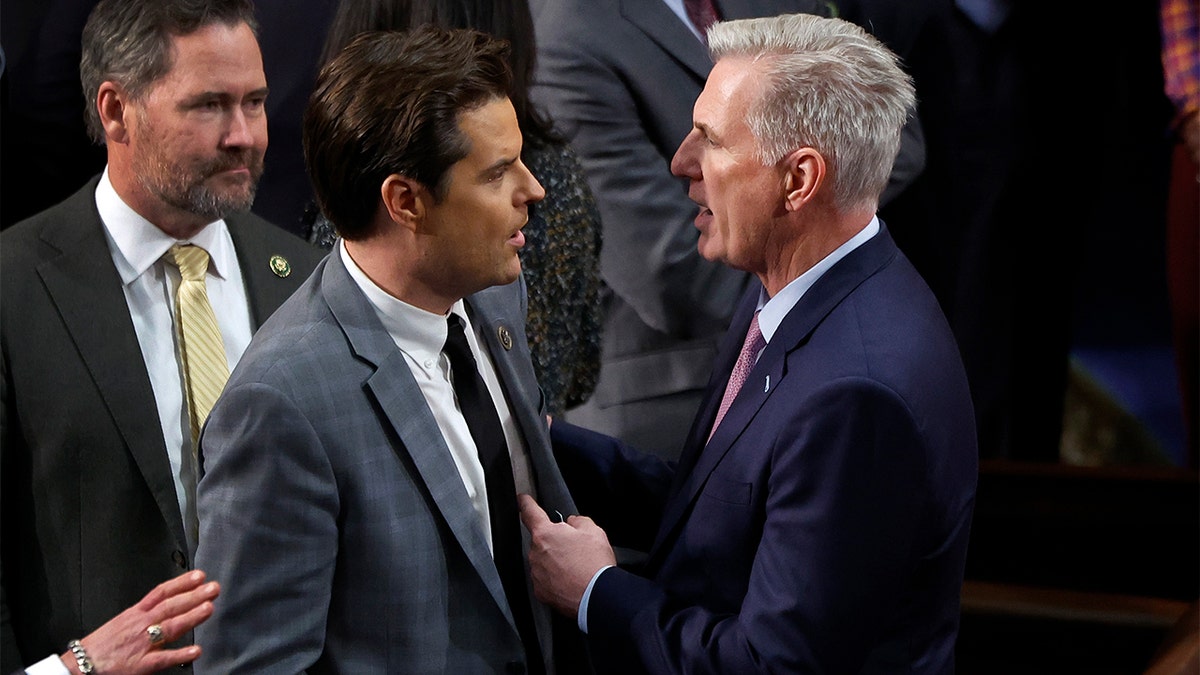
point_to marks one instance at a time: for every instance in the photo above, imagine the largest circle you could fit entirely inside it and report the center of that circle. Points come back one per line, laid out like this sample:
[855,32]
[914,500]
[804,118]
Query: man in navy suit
[817,520]
[619,78]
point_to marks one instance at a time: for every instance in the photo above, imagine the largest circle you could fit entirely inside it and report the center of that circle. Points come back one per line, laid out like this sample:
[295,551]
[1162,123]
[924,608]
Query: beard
[183,185]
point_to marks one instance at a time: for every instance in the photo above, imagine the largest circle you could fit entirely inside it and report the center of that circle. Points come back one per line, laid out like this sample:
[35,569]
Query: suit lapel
[84,286]
[661,25]
[265,291]
[403,406]
[509,357]
[699,459]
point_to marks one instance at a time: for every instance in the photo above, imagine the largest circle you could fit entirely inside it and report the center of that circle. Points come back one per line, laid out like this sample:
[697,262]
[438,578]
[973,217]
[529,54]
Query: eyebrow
[498,164]
[261,92]
[706,130]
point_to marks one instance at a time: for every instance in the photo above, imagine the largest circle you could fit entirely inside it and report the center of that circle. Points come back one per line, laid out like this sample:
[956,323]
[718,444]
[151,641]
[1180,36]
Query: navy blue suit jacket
[824,527]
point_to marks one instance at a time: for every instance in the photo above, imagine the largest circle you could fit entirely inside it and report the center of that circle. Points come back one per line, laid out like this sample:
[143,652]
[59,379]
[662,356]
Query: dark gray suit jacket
[331,509]
[620,77]
[89,513]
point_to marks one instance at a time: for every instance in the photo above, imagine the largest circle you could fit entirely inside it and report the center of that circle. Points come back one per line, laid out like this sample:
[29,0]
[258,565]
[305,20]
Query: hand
[563,557]
[122,645]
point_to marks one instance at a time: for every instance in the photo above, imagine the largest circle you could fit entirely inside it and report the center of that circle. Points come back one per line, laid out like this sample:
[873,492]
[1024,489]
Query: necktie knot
[457,349]
[191,260]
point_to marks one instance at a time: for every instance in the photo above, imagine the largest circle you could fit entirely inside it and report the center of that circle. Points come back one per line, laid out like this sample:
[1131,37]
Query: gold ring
[156,634]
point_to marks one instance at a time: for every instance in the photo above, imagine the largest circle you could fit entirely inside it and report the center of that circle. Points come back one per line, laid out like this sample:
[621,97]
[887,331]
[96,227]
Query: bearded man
[105,386]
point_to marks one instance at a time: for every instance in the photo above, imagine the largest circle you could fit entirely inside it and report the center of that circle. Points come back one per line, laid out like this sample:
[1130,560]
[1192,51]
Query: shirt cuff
[51,665]
[581,616]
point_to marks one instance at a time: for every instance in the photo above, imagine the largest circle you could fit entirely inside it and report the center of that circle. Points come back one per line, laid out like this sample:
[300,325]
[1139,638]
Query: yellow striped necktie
[200,345]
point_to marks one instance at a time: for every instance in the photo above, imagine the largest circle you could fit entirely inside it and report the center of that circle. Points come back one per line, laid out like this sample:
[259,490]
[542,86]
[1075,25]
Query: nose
[535,191]
[244,129]
[685,163]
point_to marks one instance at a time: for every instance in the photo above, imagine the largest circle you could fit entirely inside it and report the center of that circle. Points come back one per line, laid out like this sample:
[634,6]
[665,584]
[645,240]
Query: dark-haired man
[359,500]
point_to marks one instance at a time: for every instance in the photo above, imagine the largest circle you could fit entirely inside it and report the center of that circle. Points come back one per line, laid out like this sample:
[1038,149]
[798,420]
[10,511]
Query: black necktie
[480,413]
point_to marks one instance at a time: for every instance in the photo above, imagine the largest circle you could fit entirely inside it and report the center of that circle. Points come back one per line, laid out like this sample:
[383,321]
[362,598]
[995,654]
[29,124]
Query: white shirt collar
[773,310]
[418,333]
[139,244]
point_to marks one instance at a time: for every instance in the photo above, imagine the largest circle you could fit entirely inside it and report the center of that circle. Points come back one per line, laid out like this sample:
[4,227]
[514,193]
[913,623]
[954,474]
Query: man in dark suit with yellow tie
[98,423]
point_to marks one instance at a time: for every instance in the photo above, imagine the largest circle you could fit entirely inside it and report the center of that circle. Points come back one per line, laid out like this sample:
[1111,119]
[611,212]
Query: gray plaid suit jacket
[331,509]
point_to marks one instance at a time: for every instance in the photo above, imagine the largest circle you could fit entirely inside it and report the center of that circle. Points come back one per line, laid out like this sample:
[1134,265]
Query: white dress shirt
[149,283]
[420,335]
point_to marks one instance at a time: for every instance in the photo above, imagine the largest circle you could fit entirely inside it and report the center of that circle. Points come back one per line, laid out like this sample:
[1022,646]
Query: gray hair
[830,86]
[129,42]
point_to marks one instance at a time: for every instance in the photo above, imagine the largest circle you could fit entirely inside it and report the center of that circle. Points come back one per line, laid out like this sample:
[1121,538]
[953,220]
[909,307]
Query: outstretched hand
[563,557]
[123,645]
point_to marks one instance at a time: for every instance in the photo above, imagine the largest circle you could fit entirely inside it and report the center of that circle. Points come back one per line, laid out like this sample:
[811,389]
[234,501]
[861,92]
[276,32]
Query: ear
[404,200]
[805,175]
[113,104]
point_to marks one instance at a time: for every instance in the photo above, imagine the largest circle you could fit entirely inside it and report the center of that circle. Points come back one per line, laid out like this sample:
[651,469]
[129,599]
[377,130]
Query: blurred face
[739,198]
[473,234]
[199,134]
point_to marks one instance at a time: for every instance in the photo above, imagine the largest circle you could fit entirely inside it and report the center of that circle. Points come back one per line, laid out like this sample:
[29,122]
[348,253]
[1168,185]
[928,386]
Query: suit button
[514,668]
[180,560]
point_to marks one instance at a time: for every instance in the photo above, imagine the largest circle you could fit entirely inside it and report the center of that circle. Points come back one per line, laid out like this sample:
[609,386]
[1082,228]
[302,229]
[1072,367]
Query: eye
[498,174]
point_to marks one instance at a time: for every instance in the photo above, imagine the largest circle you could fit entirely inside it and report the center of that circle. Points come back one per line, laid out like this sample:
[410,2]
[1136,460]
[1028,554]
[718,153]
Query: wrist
[83,664]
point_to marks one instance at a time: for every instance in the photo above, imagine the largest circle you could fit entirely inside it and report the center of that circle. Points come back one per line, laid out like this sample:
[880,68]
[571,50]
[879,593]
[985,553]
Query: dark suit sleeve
[622,489]
[846,472]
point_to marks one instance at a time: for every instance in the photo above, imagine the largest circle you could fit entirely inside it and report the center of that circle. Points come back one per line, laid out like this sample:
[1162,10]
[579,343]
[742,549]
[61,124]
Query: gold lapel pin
[280,266]
[505,337]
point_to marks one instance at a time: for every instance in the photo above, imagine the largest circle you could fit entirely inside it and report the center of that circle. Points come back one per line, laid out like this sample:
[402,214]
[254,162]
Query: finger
[178,604]
[190,619]
[531,514]
[157,660]
[176,626]
[172,587]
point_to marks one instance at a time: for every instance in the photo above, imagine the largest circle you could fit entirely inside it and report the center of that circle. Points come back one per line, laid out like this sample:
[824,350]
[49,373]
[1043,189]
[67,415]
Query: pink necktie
[741,370]
[703,14]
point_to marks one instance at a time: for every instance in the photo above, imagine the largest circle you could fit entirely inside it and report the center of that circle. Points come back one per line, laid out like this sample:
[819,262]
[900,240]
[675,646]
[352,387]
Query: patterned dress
[561,263]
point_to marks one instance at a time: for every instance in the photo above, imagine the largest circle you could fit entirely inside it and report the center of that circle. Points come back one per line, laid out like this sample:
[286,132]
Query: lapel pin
[767,386]
[280,266]
[505,337]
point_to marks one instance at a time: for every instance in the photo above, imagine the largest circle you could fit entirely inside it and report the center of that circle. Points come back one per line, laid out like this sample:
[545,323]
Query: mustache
[234,159]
